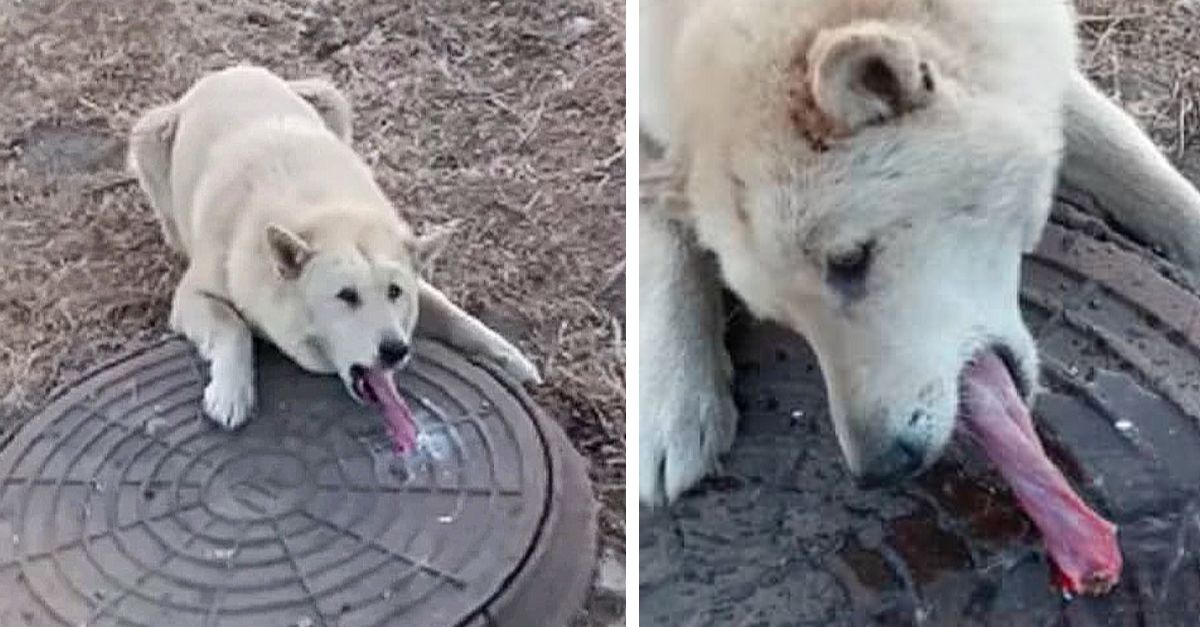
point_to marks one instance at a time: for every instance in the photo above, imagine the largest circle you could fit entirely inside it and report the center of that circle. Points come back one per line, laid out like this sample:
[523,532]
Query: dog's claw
[525,371]
[682,442]
[518,366]
[228,405]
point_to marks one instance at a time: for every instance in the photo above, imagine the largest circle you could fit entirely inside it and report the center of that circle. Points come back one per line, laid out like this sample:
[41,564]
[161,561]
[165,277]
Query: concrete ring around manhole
[121,505]
[783,537]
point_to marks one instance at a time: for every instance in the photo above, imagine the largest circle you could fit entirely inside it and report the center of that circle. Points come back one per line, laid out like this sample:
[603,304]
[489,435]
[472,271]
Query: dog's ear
[430,244]
[289,251]
[866,73]
[663,184]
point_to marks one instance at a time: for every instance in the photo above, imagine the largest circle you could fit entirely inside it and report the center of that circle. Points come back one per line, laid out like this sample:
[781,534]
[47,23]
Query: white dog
[868,173]
[288,235]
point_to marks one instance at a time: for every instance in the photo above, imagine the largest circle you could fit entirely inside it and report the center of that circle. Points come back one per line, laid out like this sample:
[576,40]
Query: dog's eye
[349,295]
[394,291]
[852,265]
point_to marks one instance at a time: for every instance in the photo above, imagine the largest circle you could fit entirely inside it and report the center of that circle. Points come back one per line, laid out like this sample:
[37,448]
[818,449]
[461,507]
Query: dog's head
[357,291]
[858,185]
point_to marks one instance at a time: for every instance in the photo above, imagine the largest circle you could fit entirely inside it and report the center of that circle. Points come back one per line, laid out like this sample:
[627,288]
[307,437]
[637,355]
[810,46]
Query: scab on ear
[866,73]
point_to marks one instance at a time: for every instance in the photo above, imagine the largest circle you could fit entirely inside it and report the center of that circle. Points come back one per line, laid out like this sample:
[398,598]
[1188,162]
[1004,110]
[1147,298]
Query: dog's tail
[150,144]
[331,104]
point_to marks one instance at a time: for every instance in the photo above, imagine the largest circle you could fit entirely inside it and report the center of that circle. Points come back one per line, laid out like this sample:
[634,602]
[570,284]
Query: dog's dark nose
[904,459]
[392,352]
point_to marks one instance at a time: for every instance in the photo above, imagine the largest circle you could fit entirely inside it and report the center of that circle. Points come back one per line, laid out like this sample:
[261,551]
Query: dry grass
[507,115]
[1146,55]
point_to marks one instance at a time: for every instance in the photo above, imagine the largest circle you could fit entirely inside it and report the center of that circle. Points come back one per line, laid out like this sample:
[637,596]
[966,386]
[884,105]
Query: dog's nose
[904,459]
[392,352]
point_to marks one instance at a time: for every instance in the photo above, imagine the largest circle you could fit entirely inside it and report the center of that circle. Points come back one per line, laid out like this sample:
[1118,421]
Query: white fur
[253,179]
[792,151]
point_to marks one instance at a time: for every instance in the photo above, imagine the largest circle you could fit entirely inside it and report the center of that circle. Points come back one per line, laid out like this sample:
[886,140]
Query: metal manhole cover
[120,505]
[784,537]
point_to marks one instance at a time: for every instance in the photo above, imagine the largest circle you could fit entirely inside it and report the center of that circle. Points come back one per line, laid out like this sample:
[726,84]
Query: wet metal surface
[784,538]
[120,505]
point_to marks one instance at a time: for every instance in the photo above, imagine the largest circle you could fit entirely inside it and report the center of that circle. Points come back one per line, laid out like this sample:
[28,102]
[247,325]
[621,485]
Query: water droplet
[445,519]
[220,554]
[1123,425]
[153,426]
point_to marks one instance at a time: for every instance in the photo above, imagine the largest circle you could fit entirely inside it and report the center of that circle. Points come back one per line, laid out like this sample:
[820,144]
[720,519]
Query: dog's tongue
[387,399]
[1082,546]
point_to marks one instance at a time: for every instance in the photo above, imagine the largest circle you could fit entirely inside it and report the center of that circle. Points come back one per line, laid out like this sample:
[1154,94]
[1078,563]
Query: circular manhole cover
[785,538]
[120,505]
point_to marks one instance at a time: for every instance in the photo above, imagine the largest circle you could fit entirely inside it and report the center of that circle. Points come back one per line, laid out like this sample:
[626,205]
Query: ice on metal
[438,452]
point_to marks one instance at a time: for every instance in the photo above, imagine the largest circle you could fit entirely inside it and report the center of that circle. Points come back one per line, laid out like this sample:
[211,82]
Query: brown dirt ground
[508,115]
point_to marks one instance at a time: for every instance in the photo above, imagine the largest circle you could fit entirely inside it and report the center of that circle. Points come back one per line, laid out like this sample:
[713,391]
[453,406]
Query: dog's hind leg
[149,158]
[1108,156]
[224,341]
[687,415]
[442,320]
[330,103]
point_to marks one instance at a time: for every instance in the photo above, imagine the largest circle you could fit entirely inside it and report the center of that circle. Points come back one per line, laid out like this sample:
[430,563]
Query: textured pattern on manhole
[120,505]
[784,538]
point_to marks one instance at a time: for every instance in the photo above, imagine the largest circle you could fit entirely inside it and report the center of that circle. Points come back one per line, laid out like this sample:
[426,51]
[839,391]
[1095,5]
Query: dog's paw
[228,401]
[681,439]
[518,366]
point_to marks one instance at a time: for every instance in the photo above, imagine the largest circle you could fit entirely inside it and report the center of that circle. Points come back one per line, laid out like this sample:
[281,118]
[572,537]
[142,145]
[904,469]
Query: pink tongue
[1082,546]
[399,418]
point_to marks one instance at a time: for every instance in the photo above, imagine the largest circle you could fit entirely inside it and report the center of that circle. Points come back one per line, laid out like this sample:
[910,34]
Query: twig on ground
[111,185]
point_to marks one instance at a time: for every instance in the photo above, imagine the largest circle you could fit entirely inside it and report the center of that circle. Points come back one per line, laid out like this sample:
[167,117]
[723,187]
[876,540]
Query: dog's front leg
[687,414]
[442,320]
[224,341]
[1108,156]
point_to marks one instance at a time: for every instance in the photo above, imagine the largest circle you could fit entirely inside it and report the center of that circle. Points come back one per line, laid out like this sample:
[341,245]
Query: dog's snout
[392,352]
[905,458]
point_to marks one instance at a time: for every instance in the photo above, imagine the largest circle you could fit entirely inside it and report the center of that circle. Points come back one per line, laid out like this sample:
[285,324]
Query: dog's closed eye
[349,295]
[850,267]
